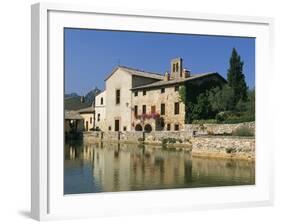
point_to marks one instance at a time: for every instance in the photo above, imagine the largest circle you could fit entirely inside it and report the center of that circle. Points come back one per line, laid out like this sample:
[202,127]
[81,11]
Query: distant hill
[90,96]
[72,101]
[69,95]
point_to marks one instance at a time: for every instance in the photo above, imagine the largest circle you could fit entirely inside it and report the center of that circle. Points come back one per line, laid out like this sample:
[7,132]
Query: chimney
[176,68]
[166,76]
[186,73]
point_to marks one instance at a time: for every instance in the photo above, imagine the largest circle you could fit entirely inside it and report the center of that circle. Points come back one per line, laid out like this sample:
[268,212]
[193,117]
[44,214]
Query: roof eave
[112,72]
[180,81]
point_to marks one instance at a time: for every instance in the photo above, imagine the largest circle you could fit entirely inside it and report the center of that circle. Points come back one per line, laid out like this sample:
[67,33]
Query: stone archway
[147,128]
[138,127]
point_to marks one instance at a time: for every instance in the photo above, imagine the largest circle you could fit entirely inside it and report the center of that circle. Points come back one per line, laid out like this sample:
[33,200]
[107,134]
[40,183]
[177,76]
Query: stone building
[118,85]
[88,115]
[100,102]
[147,101]
[73,124]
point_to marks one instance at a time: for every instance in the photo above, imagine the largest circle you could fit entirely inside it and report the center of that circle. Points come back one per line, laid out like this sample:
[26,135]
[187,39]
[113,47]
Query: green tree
[183,99]
[203,108]
[236,78]
[182,94]
[221,99]
[251,101]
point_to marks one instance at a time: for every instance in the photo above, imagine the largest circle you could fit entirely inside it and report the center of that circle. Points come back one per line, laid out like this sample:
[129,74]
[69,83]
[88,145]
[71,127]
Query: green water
[108,167]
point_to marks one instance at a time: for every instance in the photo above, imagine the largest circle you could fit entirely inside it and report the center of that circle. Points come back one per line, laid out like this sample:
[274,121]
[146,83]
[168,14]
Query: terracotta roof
[86,110]
[72,115]
[137,72]
[178,81]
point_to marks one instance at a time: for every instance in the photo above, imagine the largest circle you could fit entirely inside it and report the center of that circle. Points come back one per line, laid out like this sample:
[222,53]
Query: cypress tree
[236,78]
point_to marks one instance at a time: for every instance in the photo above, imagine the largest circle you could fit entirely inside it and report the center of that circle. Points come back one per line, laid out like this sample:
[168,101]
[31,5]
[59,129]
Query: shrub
[221,117]
[164,142]
[140,139]
[243,131]
[230,150]
[228,117]
[170,141]
[240,119]
[208,121]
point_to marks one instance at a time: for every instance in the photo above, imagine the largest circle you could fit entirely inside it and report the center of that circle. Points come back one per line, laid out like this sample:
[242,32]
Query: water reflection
[107,167]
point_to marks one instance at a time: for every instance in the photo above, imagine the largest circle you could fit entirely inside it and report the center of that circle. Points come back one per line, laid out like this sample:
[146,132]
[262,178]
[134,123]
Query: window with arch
[101,101]
[177,67]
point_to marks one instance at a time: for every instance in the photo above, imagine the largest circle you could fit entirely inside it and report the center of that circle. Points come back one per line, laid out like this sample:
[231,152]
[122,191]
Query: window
[177,108]
[177,67]
[176,127]
[176,88]
[109,128]
[162,109]
[101,101]
[168,127]
[144,92]
[153,109]
[91,120]
[136,93]
[136,111]
[98,117]
[118,96]
[144,109]
[162,90]
[124,128]
[174,67]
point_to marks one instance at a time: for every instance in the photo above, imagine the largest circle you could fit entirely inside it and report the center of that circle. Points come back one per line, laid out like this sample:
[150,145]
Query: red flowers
[148,116]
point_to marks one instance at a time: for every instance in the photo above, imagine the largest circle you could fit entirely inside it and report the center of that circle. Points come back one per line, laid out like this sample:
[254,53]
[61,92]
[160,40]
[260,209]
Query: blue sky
[90,55]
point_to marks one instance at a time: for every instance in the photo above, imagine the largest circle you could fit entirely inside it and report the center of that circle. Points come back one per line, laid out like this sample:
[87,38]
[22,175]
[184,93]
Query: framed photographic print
[148,111]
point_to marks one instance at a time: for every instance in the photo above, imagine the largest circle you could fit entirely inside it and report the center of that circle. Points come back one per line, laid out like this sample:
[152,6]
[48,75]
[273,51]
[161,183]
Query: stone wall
[233,147]
[227,146]
[97,136]
[154,137]
[217,129]
[131,136]
[159,136]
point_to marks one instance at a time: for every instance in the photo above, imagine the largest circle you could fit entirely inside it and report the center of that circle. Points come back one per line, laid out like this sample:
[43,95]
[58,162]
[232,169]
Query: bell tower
[176,68]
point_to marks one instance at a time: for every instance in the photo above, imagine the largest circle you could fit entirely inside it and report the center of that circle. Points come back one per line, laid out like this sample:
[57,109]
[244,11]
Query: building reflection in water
[110,167]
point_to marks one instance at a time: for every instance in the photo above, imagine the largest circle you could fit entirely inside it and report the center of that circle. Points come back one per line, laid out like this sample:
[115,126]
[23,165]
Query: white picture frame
[48,201]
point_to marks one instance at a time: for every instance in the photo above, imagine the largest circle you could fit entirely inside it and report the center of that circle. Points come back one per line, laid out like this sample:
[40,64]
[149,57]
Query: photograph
[154,111]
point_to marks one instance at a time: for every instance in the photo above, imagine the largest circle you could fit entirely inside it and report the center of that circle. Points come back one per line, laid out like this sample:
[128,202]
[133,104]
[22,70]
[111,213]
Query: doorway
[117,124]
[147,128]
